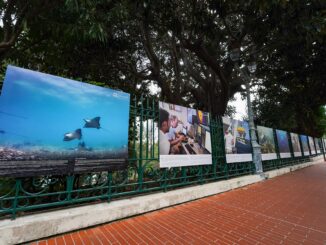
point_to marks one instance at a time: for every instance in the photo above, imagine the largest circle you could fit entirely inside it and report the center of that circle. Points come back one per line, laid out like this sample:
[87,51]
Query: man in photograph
[164,125]
[228,141]
[174,137]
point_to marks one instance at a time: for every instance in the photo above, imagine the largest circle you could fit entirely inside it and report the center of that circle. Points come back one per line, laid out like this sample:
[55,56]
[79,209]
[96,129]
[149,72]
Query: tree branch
[10,36]
[210,61]
[192,72]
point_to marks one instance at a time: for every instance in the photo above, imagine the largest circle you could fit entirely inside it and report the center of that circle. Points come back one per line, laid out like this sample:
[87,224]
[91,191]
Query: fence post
[309,147]
[220,135]
[200,174]
[279,160]
[301,147]
[109,186]
[184,174]
[290,144]
[147,131]
[214,144]
[140,159]
[165,183]
[69,188]
[154,111]
[15,204]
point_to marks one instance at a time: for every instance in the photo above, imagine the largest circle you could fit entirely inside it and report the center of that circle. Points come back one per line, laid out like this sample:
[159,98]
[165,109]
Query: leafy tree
[291,88]
[183,48]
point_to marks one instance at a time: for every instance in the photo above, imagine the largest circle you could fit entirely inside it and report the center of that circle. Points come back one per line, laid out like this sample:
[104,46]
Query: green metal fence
[22,195]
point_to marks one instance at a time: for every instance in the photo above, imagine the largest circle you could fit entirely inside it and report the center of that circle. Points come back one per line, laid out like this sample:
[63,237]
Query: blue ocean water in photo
[37,110]
[283,141]
[304,142]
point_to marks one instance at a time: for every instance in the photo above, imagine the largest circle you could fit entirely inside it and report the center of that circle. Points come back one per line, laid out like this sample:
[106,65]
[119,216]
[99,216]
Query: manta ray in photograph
[77,134]
[92,123]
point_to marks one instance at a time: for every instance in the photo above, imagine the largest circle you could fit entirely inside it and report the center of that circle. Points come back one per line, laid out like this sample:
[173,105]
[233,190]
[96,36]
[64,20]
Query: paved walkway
[290,209]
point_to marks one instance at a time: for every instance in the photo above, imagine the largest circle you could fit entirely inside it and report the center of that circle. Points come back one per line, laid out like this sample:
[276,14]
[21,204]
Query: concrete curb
[37,226]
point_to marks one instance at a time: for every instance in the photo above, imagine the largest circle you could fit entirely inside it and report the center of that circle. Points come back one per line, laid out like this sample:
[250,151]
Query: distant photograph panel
[283,143]
[267,143]
[237,140]
[296,145]
[305,147]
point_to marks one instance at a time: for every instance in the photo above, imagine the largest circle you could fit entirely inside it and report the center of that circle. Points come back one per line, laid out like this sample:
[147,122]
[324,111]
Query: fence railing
[143,174]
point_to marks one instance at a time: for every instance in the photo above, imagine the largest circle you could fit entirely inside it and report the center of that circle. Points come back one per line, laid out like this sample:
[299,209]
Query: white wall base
[37,226]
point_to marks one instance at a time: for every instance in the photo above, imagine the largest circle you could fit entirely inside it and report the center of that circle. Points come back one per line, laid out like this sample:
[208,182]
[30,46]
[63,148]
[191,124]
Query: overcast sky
[240,107]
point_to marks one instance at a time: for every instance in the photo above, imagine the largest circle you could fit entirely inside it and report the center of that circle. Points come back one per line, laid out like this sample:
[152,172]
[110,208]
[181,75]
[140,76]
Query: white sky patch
[240,107]
[153,88]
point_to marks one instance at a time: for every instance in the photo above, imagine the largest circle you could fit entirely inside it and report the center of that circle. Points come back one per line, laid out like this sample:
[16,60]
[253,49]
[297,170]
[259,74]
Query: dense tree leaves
[182,47]
[292,87]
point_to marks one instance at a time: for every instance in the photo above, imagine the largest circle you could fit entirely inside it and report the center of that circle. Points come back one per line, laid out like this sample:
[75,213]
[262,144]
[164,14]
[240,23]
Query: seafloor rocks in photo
[13,154]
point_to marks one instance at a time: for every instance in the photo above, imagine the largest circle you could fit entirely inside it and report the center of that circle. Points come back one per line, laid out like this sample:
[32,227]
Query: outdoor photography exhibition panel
[317,145]
[45,117]
[267,143]
[296,145]
[312,145]
[305,147]
[283,143]
[184,136]
[237,140]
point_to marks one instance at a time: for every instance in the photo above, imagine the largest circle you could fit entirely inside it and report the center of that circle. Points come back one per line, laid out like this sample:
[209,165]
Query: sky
[240,107]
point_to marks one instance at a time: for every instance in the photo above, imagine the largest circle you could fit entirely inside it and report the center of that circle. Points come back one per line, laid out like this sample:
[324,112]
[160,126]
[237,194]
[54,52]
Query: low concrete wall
[47,224]
[281,171]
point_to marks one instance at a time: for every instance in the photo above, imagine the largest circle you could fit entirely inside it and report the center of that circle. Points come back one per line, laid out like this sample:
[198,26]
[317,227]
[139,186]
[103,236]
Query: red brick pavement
[290,209]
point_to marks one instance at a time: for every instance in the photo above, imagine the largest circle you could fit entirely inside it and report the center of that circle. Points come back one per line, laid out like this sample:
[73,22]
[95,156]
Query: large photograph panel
[237,140]
[305,147]
[283,143]
[267,143]
[296,145]
[45,117]
[184,136]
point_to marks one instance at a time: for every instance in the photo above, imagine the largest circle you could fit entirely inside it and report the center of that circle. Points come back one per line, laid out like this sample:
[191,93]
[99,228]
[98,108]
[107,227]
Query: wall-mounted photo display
[184,136]
[296,145]
[312,145]
[46,117]
[317,141]
[305,147]
[237,140]
[283,143]
[267,143]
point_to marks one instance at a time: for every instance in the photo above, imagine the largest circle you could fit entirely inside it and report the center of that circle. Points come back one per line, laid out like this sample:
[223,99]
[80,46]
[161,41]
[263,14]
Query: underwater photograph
[46,117]
[283,141]
[304,142]
[266,139]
